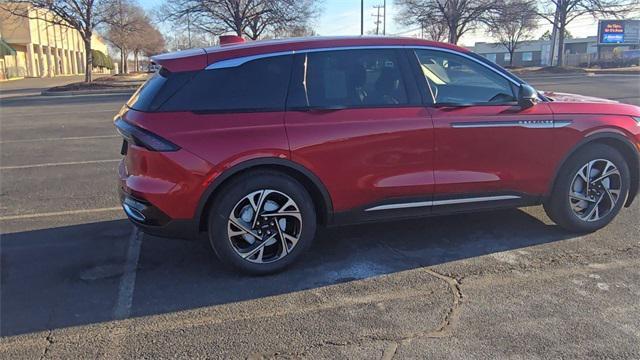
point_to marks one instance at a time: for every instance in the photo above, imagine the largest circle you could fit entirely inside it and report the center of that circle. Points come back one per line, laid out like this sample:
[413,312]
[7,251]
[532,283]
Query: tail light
[141,137]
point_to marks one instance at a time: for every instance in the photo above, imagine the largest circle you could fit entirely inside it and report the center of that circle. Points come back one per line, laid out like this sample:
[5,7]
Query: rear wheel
[590,189]
[262,222]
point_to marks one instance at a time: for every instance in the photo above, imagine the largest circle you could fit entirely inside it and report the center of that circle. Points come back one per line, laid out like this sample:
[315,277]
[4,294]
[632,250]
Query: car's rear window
[158,89]
[258,85]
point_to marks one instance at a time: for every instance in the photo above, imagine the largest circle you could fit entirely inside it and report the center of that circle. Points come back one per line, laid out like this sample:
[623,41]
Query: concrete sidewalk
[35,86]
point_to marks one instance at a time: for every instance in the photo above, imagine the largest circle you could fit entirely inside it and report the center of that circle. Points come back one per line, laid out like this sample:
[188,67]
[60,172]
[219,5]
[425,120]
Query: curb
[613,72]
[89,92]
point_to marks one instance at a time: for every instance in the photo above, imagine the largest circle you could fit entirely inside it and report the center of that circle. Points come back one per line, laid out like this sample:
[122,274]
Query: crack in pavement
[390,351]
[453,282]
[394,343]
[49,339]
[451,315]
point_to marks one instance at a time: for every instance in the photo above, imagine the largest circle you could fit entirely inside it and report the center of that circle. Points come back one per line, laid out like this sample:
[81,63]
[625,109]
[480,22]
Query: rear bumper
[153,221]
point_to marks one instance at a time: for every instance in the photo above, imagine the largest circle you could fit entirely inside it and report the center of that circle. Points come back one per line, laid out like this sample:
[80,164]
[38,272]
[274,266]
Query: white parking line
[48,113]
[58,213]
[122,308]
[58,164]
[59,139]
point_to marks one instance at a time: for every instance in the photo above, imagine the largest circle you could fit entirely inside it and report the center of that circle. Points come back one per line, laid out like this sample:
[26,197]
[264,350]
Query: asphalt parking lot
[77,281]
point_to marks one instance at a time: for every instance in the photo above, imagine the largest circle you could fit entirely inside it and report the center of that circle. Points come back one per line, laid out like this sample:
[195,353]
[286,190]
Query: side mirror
[527,96]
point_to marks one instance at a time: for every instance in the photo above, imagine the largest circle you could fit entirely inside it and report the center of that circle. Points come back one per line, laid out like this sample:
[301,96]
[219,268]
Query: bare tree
[125,22]
[149,42]
[284,16]
[81,15]
[296,31]
[546,36]
[435,31]
[252,18]
[513,23]
[459,16]
[179,40]
[560,13]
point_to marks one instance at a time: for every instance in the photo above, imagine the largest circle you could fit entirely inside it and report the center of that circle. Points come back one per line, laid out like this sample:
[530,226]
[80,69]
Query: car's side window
[348,79]
[455,80]
[257,85]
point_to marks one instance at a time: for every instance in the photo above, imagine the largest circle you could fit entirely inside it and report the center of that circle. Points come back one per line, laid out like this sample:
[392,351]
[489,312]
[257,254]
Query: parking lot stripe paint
[122,309]
[57,113]
[59,213]
[59,139]
[57,164]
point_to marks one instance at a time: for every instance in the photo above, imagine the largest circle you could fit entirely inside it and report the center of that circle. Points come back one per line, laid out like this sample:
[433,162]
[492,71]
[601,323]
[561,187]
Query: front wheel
[261,222]
[590,190]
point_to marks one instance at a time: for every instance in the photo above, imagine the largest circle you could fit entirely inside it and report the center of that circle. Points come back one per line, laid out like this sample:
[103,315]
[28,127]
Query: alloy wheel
[595,190]
[264,226]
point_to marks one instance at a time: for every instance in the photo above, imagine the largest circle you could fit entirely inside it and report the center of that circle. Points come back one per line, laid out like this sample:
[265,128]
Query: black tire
[557,206]
[240,187]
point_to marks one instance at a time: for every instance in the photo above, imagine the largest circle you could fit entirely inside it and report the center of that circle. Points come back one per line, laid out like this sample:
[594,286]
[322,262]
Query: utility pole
[384,19]
[377,16]
[361,17]
[189,28]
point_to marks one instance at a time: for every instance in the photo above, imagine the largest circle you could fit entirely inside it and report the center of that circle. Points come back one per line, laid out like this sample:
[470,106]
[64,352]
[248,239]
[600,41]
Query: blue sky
[342,17]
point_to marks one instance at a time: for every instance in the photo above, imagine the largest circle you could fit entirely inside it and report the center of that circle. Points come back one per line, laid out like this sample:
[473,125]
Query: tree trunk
[126,62]
[511,57]
[561,34]
[122,61]
[88,63]
[453,36]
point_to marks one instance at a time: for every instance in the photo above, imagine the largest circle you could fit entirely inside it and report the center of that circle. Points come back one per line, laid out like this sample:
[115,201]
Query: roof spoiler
[186,60]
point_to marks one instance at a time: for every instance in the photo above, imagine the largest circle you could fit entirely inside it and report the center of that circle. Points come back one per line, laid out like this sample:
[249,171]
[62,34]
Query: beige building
[34,47]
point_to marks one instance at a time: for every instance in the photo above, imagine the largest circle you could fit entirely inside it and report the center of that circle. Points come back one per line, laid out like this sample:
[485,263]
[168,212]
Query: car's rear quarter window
[158,89]
[258,85]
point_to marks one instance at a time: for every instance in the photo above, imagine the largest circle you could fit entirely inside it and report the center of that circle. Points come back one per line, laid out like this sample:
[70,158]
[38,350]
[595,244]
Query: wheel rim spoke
[283,240]
[258,249]
[243,229]
[611,198]
[273,230]
[596,181]
[579,196]
[257,206]
[606,175]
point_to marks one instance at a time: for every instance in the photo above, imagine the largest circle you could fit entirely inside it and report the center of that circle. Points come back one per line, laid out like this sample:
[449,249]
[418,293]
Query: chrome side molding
[442,202]
[529,124]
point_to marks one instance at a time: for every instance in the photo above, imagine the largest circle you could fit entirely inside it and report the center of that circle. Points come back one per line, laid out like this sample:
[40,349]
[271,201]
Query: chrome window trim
[235,62]
[442,202]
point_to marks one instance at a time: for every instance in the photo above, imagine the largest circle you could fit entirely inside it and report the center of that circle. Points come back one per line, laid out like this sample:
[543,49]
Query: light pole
[361,17]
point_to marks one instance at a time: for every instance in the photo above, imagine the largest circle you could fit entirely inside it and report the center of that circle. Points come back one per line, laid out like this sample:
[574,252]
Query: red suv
[258,143]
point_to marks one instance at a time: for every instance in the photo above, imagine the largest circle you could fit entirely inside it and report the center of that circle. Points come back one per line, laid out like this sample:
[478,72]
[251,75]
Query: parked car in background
[153,68]
[256,144]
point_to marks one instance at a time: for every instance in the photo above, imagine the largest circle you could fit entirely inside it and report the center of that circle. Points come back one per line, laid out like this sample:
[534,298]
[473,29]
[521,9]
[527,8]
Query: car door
[487,147]
[355,118]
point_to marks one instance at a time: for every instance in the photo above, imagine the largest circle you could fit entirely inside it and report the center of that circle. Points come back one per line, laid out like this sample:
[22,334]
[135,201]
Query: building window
[527,56]
[507,57]
[491,57]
